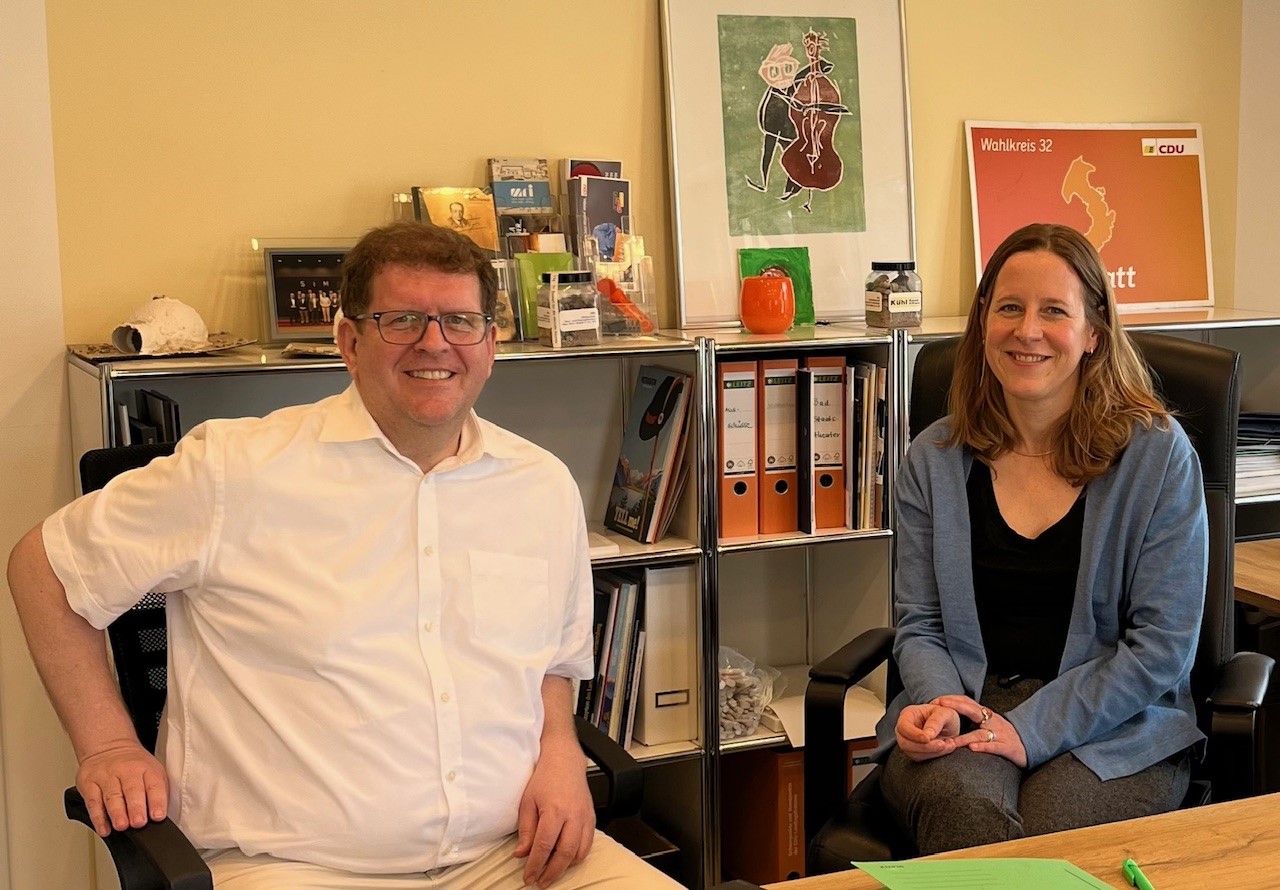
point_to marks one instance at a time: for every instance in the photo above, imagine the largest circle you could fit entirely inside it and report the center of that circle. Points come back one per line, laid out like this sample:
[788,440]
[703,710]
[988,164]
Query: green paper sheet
[982,874]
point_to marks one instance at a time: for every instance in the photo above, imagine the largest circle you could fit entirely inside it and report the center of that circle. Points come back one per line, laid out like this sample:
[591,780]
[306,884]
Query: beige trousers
[608,865]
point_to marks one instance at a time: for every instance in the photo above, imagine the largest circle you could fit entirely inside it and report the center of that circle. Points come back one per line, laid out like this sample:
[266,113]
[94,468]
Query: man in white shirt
[389,706]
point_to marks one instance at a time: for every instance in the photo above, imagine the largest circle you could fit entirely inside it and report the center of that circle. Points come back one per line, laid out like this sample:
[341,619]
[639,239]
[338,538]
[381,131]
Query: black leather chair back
[139,637]
[1201,383]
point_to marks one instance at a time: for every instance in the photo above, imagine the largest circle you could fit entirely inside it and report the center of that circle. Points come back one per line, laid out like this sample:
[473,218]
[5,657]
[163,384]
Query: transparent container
[568,310]
[894,295]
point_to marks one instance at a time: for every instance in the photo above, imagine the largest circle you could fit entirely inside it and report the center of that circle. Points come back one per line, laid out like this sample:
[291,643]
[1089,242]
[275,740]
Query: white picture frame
[709,98]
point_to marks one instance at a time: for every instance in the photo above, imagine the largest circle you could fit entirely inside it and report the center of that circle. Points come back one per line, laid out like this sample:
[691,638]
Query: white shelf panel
[798,539]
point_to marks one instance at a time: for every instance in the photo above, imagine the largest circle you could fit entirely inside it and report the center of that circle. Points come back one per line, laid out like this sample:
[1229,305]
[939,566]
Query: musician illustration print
[793,151]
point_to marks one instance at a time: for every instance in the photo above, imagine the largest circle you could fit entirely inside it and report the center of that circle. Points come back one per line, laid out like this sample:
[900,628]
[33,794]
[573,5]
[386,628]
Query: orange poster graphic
[1136,191]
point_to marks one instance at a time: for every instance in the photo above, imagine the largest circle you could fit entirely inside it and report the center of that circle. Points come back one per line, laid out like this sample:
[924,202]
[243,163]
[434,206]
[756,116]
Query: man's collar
[348,420]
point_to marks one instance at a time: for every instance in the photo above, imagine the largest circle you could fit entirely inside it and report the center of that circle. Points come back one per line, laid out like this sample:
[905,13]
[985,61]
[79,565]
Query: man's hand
[557,820]
[123,786]
[927,731]
[994,735]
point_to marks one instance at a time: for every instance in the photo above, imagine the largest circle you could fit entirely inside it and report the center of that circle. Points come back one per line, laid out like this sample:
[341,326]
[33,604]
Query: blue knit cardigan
[1122,698]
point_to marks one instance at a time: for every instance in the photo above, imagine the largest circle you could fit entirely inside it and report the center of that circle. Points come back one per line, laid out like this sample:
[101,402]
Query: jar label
[579,319]
[874,300]
[907,301]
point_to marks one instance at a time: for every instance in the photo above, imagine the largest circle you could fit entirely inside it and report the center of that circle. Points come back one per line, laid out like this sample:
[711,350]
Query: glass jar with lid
[568,310]
[894,295]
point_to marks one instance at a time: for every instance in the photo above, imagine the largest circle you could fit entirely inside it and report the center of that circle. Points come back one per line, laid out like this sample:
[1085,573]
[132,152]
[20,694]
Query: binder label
[738,400]
[779,420]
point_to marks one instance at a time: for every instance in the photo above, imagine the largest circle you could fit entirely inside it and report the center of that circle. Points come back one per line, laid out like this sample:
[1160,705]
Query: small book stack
[609,699]
[1258,454]
[650,471]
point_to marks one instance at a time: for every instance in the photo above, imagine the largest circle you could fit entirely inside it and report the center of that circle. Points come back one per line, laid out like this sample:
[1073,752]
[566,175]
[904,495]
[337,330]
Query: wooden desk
[1258,574]
[1235,845]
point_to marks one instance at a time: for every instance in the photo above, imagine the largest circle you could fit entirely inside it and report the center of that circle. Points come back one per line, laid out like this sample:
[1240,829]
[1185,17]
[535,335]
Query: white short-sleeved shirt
[356,649]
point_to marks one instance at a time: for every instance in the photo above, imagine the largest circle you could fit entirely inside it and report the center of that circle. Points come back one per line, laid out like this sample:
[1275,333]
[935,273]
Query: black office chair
[158,856]
[1200,382]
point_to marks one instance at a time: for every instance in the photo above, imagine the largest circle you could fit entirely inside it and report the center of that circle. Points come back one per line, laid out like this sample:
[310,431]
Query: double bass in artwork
[811,161]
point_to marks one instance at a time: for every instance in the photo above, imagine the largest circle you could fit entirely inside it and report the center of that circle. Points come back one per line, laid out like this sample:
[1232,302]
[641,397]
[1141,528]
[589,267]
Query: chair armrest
[157,856]
[826,756]
[1242,682]
[624,777]
[857,658]
[1234,751]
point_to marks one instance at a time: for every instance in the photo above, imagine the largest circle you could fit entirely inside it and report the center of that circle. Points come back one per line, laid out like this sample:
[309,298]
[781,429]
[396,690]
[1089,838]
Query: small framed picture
[302,292]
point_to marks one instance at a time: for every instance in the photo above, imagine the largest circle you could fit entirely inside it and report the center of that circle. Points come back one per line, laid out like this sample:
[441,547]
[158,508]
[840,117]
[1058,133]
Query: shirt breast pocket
[510,600]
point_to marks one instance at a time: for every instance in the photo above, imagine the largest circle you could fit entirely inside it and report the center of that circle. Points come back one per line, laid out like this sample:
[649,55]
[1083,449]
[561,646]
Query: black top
[1024,587]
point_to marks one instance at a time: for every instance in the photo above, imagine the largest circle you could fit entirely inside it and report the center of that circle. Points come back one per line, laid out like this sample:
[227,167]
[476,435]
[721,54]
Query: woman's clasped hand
[931,730]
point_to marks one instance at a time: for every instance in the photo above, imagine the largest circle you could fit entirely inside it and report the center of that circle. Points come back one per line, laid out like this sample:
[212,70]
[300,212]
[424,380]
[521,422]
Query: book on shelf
[647,464]
[633,687]
[598,208]
[161,412]
[608,697]
[520,186]
[468,211]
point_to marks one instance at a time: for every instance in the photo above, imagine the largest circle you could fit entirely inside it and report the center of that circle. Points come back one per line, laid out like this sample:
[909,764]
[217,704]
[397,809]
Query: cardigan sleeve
[920,646]
[1163,607]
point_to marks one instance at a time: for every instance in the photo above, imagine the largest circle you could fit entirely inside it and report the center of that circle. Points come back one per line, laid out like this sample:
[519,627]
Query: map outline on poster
[1136,190]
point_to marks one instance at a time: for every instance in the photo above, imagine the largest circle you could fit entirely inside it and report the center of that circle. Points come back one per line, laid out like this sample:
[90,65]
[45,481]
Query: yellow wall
[1086,61]
[183,130]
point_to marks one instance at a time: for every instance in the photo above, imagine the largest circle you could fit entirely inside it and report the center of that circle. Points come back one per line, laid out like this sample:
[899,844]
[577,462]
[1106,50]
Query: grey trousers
[964,798]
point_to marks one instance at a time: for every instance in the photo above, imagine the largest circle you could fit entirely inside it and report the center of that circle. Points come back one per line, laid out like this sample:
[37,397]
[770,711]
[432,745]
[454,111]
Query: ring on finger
[986,715]
[991,735]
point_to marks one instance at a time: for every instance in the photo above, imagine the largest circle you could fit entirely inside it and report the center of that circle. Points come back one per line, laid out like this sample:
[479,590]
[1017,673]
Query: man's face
[455,210]
[423,391]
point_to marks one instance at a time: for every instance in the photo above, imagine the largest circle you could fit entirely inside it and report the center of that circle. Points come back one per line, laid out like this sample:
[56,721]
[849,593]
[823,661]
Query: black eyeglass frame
[376,318]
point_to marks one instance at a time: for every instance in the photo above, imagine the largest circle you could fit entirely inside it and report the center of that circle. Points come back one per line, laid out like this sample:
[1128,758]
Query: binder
[776,466]
[739,507]
[826,440]
[866,378]
[666,711]
[762,813]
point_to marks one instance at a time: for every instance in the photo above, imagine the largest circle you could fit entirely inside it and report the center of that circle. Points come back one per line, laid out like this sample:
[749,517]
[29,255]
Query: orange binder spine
[827,440]
[776,458]
[739,507]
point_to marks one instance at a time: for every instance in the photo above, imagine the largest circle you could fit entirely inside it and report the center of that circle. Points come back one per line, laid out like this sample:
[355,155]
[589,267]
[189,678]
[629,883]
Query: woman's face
[1035,331]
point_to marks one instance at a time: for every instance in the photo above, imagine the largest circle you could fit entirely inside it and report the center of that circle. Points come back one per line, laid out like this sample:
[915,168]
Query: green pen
[1134,875]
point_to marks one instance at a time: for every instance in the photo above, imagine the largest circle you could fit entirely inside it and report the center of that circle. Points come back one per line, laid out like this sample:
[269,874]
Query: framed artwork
[1137,192]
[788,128]
[302,292]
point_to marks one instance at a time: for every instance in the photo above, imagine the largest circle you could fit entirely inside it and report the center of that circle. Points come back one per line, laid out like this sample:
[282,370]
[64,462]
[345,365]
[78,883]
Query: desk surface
[1234,845]
[1258,574]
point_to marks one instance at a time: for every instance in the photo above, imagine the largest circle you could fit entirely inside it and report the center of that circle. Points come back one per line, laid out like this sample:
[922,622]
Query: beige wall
[1258,211]
[1088,61]
[181,130]
[39,849]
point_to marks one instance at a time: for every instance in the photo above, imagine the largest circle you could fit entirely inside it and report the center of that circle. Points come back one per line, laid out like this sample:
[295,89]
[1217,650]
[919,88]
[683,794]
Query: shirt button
[427,625]
[451,775]
[428,550]
[444,696]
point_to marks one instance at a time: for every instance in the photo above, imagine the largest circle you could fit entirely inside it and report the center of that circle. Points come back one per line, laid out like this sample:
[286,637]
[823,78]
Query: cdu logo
[1170,148]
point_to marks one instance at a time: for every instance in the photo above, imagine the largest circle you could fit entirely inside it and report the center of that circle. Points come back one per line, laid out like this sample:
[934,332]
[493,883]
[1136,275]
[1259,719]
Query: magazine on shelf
[647,465]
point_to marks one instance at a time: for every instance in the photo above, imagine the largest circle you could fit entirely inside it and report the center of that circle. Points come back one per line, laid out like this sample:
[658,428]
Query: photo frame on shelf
[788,128]
[303,283]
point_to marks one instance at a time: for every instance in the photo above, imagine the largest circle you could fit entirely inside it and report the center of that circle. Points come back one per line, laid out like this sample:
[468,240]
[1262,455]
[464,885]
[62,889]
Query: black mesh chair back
[139,639]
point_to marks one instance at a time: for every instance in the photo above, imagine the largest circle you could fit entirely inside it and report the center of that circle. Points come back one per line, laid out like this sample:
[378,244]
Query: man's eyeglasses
[404,328]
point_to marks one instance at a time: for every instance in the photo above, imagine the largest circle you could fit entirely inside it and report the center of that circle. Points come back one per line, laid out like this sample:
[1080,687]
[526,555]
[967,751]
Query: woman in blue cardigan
[1052,551]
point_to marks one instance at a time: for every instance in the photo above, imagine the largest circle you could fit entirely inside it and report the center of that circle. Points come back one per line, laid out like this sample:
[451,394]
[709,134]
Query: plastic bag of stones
[745,689]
